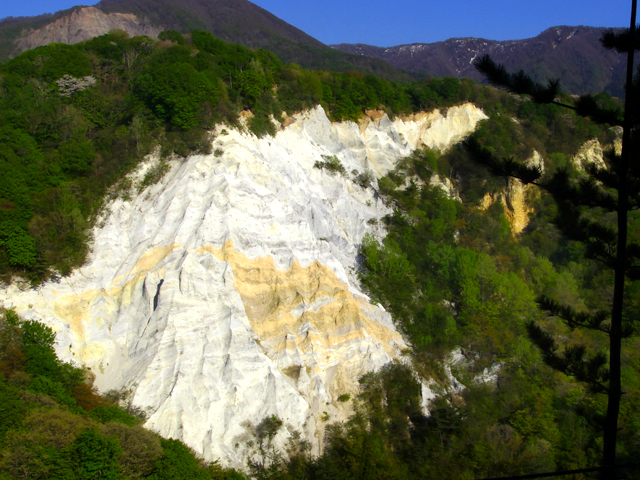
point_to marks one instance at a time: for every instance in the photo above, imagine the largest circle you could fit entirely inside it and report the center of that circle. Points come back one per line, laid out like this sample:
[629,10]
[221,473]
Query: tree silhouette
[614,190]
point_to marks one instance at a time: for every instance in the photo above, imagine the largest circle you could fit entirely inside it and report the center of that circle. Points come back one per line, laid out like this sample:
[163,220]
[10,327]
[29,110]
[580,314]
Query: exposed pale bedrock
[83,24]
[226,292]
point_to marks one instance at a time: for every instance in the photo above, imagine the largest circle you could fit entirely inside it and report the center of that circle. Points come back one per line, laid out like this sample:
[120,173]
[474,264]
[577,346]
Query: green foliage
[265,461]
[178,461]
[77,157]
[207,42]
[465,280]
[391,268]
[154,174]
[139,449]
[95,456]
[177,93]
[450,274]
[331,164]
[51,62]
[261,123]
[47,432]
[41,446]
[12,408]
[19,248]
[364,178]
[113,413]
[594,210]
[172,36]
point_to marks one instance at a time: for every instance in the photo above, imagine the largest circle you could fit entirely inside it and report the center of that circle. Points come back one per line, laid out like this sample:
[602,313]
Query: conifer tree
[614,189]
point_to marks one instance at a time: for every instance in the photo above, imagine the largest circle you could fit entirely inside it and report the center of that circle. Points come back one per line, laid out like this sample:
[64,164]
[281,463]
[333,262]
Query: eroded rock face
[590,153]
[226,292]
[83,24]
[514,197]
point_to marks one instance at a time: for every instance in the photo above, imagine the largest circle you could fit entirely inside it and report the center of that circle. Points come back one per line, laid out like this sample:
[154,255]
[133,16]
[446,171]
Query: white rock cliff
[225,293]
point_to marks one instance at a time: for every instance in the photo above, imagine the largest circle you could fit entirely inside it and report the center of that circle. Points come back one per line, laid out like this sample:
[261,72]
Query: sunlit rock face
[591,153]
[516,196]
[83,24]
[227,292]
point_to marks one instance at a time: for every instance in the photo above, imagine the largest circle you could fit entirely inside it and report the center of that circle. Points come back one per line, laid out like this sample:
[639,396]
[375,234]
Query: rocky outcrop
[226,293]
[515,201]
[514,198]
[83,24]
[590,153]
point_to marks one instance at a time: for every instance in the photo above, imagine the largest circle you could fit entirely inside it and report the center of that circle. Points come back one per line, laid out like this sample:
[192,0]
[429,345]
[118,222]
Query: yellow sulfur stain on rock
[148,261]
[514,201]
[304,308]
[301,306]
[75,309]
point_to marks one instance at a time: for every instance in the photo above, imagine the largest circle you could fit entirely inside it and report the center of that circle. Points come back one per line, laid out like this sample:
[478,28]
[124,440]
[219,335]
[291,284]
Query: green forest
[55,425]
[75,119]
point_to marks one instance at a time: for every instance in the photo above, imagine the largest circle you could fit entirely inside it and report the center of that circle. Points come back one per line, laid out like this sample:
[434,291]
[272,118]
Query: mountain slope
[236,21]
[573,54]
[226,293]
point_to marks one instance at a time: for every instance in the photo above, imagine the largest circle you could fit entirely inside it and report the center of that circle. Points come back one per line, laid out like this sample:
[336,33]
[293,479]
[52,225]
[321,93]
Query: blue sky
[387,23]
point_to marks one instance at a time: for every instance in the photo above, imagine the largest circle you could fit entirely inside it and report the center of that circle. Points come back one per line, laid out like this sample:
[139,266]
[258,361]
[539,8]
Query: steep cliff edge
[225,293]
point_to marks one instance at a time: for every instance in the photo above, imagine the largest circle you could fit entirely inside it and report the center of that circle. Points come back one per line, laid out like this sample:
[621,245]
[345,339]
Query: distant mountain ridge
[235,21]
[573,54]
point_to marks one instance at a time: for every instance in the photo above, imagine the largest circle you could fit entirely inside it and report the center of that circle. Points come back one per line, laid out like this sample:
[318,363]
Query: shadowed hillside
[573,54]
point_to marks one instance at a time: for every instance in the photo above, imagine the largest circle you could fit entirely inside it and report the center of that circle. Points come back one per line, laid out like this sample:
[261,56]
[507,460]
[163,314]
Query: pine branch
[576,227]
[605,176]
[610,179]
[573,360]
[603,253]
[586,106]
[507,167]
[599,240]
[542,339]
[634,143]
[522,84]
[590,194]
[519,82]
[570,197]
[586,192]
[573,318]
[622,42]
